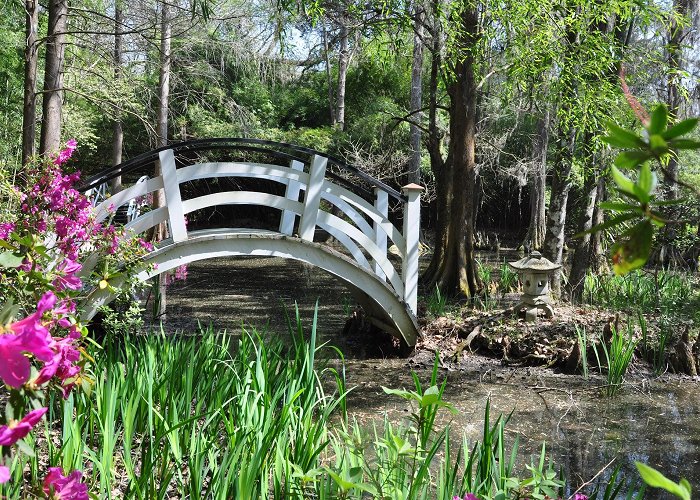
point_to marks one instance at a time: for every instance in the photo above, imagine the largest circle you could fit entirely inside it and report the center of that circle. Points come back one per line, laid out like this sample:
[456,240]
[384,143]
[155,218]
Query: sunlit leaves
[658,141]
[632,251]
[655,479]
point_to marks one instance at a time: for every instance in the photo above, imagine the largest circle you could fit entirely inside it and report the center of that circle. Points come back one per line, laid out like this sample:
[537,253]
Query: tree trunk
[53,77]
[117,131]
[162,129]
[582,254]
[553,247]
[598,263]
[343,61]
[416,95]
[453,268]
[331,107]
[31,55]
[676,34]
[537,229]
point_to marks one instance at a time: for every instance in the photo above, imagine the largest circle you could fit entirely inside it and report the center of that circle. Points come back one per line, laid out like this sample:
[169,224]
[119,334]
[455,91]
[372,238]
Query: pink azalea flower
[58,486]
[28,335]
[63,363]
[67,279]
[10,434]
[4,474]
[5,229]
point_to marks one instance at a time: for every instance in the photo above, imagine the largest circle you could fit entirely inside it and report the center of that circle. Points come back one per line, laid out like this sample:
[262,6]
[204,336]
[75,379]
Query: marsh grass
[663,290]
[208,416]
[618,356]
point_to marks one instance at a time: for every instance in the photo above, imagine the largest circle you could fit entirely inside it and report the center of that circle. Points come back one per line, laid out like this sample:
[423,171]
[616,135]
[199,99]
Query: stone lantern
[534,271]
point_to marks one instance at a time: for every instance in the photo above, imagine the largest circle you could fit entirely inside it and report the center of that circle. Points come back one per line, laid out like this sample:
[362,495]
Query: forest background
[497,106]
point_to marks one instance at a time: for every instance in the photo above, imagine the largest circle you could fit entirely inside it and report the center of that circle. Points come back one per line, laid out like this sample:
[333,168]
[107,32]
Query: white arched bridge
[277,200]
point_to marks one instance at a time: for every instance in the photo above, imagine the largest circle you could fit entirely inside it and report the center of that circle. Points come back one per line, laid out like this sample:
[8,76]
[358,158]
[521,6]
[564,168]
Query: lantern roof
[534,262]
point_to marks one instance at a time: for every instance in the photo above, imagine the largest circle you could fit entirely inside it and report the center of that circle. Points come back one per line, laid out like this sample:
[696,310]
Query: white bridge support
[362,227]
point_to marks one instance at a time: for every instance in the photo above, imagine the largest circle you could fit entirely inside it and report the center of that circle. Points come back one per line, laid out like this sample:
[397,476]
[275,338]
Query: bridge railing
[362,226]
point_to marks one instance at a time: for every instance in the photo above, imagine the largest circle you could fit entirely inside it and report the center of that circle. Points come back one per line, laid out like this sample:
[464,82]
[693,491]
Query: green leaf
[620,207]
[8,312]
[430,396]
[657,480]
[11,259]
[666,203]
[680,128]
[621,138]
[684,144]
[659,120]
[410,396]
[658,144]
[615,221]
[631,159]
[633,251]
[647,179]
[622,181]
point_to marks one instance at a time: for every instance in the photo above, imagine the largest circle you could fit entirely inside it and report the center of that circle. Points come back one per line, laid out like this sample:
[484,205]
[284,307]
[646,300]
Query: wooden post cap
[412,187]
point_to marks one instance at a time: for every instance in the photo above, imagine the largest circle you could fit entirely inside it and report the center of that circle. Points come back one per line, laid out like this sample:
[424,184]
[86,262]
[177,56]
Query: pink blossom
[63,363]
[65,154]
[580,496]
[28,335]
[4,474]
[146,244]
[58,486]
[467,496]
[5,229]
[10,434]
[181,272]
[67,279]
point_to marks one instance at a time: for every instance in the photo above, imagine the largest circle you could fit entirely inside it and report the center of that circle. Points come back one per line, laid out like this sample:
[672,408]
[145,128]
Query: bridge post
[381,203]
[291,193]
[173,199]
[411,233]
[312,198]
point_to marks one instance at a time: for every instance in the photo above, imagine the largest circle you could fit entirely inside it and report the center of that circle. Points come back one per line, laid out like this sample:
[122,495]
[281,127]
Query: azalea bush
[44,243]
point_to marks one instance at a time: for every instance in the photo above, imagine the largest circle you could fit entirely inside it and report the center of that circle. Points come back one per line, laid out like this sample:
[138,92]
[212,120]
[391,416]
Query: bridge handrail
[245,144]
[366,236]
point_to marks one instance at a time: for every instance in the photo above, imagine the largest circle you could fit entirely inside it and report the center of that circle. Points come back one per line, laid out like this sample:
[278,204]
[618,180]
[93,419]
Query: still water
[653,421]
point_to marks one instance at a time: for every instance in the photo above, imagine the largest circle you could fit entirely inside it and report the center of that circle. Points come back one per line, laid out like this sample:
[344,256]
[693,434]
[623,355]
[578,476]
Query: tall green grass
[208,417]
[666,291]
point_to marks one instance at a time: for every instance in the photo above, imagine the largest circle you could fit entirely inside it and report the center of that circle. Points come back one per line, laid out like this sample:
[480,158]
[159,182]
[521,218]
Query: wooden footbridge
[314,196]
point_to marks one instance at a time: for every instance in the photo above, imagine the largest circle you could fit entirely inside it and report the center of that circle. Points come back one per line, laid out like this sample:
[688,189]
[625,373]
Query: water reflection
[657,423]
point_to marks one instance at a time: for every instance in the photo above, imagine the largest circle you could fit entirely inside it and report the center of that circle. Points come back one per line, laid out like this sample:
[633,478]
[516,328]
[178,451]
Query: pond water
[654,421]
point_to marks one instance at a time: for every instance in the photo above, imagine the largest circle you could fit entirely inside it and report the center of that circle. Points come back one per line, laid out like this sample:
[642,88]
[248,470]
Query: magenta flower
[63,363]
[5,229]
[467,496]
[10,434]
[58,486]
[4,474]
[28,335]
[580,496]
[67,278]
[65,154]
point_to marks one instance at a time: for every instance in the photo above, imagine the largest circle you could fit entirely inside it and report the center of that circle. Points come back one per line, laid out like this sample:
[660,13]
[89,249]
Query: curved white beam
[379,301]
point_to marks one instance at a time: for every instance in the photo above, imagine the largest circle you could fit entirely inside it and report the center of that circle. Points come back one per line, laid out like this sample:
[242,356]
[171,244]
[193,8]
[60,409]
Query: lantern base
[532,305]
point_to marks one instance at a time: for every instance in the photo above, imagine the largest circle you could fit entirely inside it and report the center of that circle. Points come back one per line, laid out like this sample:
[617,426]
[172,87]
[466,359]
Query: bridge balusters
[312,198]
[411,233]
[291,193]
[173,199]
[381,204]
